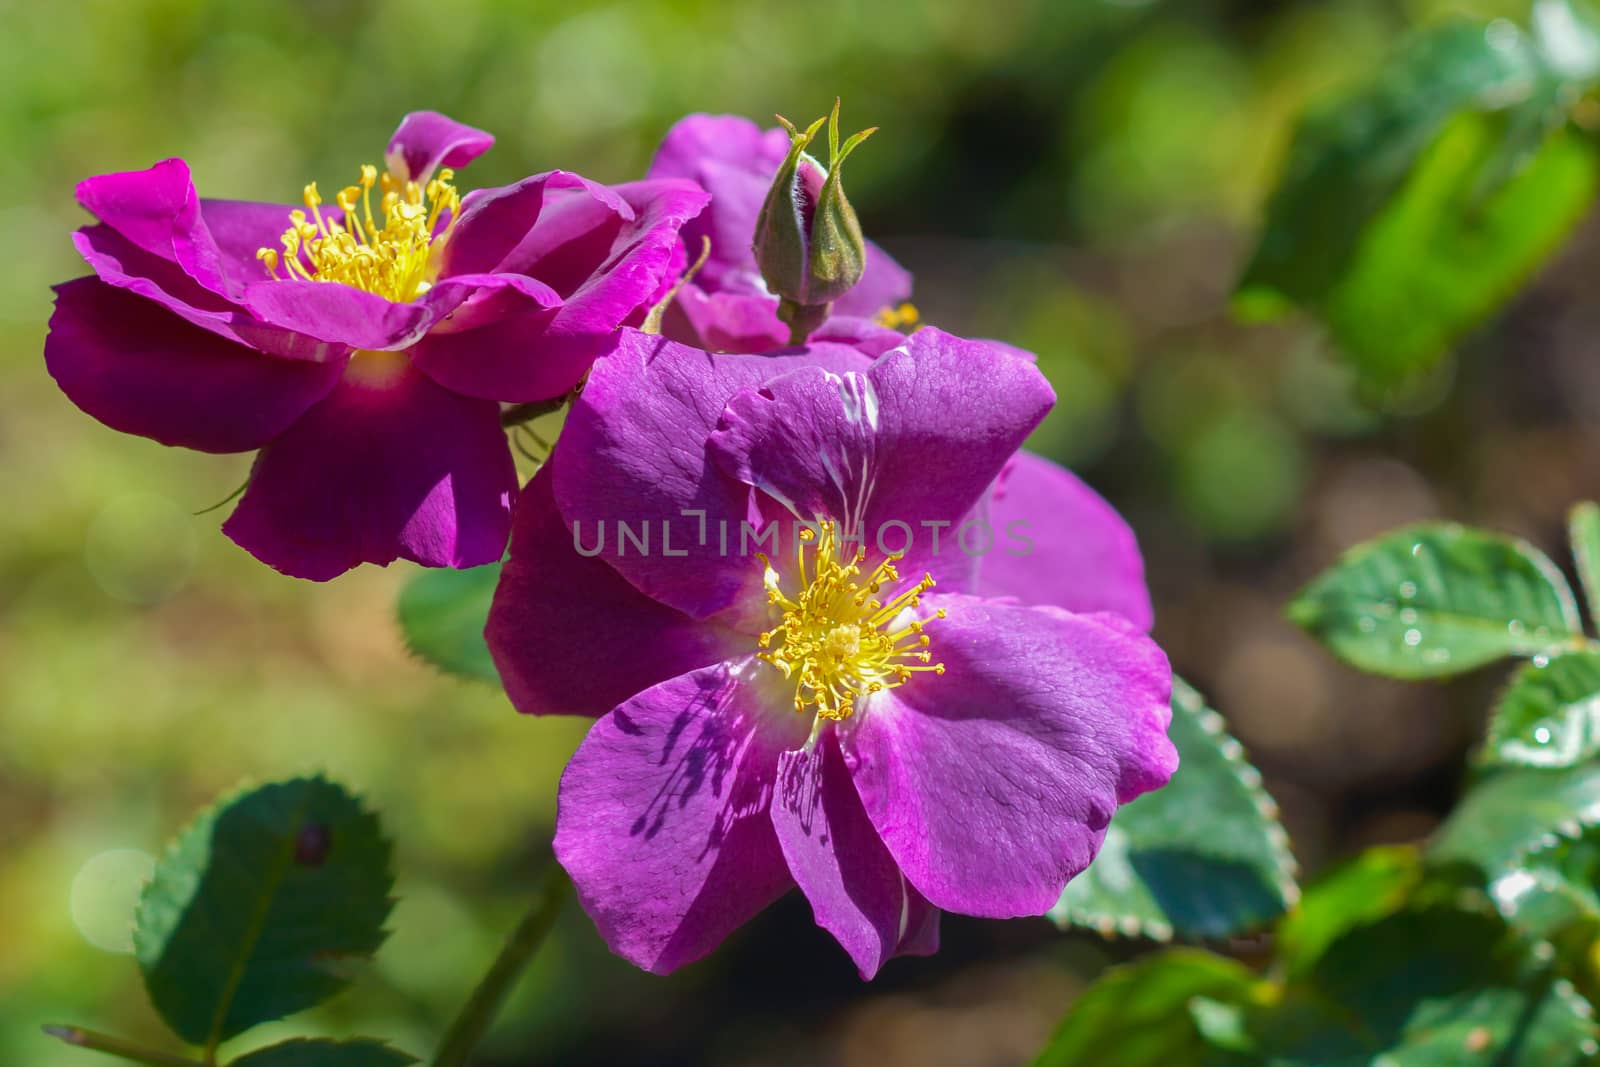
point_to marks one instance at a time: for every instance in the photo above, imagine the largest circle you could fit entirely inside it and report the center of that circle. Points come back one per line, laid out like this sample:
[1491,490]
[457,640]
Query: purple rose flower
[727,307]
[364,347]
[821,710]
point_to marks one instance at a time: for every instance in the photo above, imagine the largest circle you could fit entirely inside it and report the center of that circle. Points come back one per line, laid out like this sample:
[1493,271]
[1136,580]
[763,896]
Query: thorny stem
[116,1046]
[478,1014]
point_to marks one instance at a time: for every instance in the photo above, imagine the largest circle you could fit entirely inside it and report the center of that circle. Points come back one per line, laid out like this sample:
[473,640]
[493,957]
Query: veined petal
[389,466]
[140,369]
[900,453]
[734,160]
[340,314]
[662,814]
[119,262]
[490,344]
[425,140]
[1062,545]
[569,634]
[992,783]
[635,447]
[855,888]
[145,206]
[514,227]
[723,321]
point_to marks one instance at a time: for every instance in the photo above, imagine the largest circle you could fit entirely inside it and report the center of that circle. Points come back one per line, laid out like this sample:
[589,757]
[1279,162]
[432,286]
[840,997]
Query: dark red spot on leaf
[312,843]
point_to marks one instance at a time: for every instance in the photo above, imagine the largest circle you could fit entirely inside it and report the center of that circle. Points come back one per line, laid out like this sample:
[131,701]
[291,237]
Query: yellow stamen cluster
[902,317]
[386,252]
[834,640]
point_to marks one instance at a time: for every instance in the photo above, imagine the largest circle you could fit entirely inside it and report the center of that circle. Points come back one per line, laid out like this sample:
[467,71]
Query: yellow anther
[387,252]
[834,639]
[899,317]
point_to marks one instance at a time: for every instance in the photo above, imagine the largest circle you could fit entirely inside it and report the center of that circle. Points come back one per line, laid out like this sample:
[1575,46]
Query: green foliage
[1378,966]
[1373,886]
[1143,1014]
[1413,206]
[1549,716]
[322,1053]
[442,614]
[1583,532]
[1204,856]
[1436,984]
[1511,810]
[1552,889]
[259,904]
[1437,599]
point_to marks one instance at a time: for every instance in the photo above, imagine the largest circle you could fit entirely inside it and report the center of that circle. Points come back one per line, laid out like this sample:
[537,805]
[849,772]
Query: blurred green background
[1080,177]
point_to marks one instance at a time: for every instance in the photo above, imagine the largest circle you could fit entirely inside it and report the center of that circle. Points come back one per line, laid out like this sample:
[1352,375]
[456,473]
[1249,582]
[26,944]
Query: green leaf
[1512,810]
[1412,206]
[1203,856]
[1551,892]
[1437,599]
[1373,886]
[1432,985]
[255,905]
[1553,883]
[1583,533]
[1443,257]
[442,615]
[1144,1014]
[1549,716]
[362,1052]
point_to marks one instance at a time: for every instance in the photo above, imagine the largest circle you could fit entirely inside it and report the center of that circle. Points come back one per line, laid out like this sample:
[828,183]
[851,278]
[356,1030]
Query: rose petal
[1062,544]
[426,139]
[856,891]
[138,368]
[724,321]
[511,228]
[635,447]
[570,635]
[662,815]
[900,454]
[992,784]
[119,262]
[734,160]
[492,344]
[389,466]
[145,206]
[341,314]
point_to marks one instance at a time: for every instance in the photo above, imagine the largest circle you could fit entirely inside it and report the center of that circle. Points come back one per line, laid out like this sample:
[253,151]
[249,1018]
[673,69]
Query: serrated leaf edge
[242,789]
[1286,867]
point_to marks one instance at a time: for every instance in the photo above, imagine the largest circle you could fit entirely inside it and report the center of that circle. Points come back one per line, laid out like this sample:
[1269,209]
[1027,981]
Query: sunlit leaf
[257,905]
[1373,886]
[442,613]
[1412,206]
[1430,985]
[1554,882]
[1143,1014]
[1512,810]
[1549,716]
[1437,599]
[324,1053]
[1583,534]
[1203,856]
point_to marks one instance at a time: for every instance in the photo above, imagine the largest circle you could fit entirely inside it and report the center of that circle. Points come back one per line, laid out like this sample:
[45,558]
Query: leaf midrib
[254,932]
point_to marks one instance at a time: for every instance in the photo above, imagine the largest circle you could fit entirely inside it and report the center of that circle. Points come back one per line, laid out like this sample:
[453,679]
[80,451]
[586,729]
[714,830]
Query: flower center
[839,639]
[384,252]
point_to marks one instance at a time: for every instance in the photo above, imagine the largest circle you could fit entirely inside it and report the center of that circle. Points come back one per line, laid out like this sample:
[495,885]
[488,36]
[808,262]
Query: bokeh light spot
[105,893]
